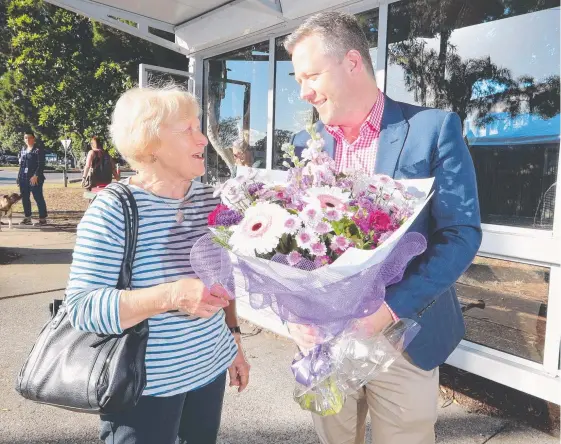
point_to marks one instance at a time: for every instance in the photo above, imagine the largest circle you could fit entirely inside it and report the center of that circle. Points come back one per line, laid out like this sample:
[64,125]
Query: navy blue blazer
[417,142]
[34,161]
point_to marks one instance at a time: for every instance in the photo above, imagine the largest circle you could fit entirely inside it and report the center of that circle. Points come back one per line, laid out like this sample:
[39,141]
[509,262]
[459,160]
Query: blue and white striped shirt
[184,352]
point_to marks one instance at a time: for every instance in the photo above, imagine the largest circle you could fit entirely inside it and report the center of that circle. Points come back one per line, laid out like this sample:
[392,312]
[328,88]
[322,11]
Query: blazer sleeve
[454,227]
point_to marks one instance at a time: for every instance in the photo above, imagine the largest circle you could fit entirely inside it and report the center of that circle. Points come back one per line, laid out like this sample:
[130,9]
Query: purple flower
[320,261]
[228,218]
[345,183]
[367,204]
[254,188]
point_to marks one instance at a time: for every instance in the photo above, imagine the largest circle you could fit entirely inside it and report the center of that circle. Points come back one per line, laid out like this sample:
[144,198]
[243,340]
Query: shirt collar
[373,119]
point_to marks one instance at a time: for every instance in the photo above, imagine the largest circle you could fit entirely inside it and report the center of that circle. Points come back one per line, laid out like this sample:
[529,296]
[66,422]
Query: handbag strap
[130,212]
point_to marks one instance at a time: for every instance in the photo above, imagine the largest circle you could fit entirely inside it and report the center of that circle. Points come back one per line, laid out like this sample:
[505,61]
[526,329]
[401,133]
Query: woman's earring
[153,158]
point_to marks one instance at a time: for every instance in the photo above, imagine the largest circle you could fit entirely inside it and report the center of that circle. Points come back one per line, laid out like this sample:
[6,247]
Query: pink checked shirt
[361,154]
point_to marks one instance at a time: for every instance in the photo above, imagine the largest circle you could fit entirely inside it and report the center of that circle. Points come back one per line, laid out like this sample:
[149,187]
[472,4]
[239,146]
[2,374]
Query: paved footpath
[264,414]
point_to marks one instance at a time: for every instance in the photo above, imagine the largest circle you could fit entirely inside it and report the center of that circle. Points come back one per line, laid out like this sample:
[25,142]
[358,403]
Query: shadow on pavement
[37,256]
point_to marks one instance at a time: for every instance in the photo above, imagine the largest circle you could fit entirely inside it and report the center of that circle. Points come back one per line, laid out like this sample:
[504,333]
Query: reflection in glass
[235,108]
[496,63]
[515,306]
[291,113]
[160,79]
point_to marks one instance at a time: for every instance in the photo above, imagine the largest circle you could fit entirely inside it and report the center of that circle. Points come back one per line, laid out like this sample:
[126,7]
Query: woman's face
[182,148]
[93,144]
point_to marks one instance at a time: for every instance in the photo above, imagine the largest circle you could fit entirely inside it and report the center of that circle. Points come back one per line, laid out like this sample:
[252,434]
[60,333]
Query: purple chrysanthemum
[228,218]
[254,188]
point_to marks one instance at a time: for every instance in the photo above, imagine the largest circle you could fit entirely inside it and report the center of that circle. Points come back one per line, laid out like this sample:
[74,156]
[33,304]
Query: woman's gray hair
[339,33]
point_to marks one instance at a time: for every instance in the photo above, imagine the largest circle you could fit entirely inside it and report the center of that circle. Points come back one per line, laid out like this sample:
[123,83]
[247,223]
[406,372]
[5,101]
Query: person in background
[31,178]
[102,165]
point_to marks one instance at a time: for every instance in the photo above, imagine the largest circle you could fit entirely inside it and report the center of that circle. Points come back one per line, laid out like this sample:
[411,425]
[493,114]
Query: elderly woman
[194,335]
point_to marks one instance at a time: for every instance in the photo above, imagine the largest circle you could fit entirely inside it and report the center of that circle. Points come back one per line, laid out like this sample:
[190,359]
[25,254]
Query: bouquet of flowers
[319,248]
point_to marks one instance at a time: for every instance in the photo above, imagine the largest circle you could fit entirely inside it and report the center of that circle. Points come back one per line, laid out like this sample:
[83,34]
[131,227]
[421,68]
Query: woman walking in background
[99,165]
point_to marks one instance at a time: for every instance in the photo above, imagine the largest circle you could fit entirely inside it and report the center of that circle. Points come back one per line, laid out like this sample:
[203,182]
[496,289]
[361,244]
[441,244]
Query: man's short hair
[339,32]
[29,133]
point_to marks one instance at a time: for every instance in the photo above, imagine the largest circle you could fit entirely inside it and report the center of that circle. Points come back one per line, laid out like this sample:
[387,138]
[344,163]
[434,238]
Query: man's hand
[34,180]
[375,323]
[305,336]
[239,370]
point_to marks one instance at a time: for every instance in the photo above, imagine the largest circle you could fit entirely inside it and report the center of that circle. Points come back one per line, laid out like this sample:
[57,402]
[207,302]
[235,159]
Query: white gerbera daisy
[260,229]
[328,197]
[305,238]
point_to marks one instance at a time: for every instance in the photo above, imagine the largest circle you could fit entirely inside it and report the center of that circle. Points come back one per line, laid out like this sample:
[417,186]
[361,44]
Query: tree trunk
[440,93]
[213,97]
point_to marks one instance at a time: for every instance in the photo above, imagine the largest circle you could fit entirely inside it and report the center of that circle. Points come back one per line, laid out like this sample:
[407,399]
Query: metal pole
[65,175]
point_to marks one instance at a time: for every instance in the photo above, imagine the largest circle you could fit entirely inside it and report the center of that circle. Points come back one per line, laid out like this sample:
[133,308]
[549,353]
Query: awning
[188,26]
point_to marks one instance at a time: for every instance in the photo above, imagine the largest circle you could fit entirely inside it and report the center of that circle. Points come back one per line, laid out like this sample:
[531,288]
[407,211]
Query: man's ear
[354,62]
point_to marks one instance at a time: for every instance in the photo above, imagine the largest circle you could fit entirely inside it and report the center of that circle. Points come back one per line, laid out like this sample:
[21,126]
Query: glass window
[235,110]
[160,79]
[513,316]
[496,63]
[292,114]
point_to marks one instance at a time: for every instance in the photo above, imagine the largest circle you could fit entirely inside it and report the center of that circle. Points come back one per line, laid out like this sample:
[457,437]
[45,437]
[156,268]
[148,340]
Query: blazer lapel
[393,133]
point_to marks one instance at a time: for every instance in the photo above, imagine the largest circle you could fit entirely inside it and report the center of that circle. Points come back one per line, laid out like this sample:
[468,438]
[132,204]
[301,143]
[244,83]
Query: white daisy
[333,214]
[292,224]
[260,230]
[322,228]
[305,238]
[340,243]
[293,258]
[312,214]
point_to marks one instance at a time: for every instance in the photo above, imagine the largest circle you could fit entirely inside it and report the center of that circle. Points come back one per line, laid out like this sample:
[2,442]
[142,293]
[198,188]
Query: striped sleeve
[91,296]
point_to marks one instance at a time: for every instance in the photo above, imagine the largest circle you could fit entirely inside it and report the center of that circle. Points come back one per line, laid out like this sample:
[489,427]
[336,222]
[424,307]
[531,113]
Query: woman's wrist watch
[235,329]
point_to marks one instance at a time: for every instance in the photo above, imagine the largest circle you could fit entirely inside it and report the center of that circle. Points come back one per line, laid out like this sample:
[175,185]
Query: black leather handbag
[84,371]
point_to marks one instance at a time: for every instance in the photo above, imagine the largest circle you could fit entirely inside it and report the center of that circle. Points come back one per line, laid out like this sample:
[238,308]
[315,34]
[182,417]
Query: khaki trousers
[403,408]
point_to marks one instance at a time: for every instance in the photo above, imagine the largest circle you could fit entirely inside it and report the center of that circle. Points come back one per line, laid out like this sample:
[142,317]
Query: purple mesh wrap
[325,299]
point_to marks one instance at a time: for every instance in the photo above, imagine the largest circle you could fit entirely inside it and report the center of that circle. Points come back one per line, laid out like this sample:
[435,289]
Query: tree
[63,72]
[444,80]
[413,21]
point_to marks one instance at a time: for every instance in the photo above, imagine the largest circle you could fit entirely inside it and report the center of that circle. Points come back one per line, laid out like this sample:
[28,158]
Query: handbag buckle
[59,316]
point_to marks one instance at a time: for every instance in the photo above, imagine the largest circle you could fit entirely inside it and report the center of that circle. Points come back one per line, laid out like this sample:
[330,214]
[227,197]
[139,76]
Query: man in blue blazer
[366,129]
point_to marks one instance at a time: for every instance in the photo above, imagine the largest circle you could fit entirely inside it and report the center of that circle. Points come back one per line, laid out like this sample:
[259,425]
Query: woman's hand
[34,180]
[192,297]
[239,370]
